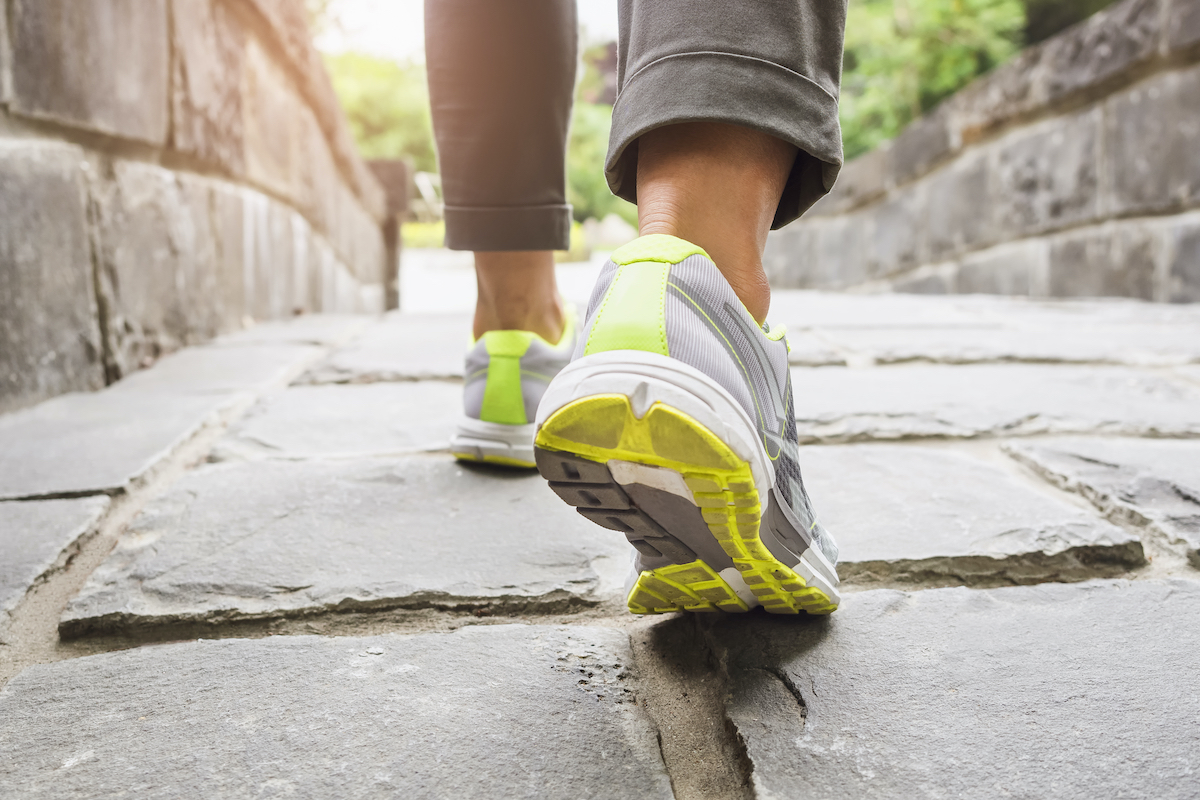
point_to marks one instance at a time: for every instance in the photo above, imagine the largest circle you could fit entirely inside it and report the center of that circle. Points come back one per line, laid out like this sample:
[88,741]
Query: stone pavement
[253,570]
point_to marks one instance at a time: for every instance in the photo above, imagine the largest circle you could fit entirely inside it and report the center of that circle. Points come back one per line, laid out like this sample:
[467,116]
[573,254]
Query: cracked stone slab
[1140,344]
[263,539]
[348,421]
[401,347]
[1060,690]
[807,309]
[1154,482]
[936,400]
[36,537]
[101,442]
[807,349]
[512,711]
[907,512]
[318,329]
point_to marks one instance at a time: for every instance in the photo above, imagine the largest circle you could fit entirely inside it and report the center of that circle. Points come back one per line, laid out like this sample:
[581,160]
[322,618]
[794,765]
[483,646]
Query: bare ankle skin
[517,291]
[717,186]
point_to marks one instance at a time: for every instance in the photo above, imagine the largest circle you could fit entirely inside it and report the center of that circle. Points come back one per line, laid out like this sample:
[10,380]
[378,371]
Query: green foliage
[387,104]
[587,189]
[903,57]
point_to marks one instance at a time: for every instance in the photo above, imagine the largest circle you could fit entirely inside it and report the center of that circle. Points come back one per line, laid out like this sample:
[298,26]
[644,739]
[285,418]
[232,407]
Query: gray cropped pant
[502,78]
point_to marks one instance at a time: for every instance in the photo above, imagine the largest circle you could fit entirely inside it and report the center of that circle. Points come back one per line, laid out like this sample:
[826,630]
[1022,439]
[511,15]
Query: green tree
[903,57]
[387,104]
[587,188]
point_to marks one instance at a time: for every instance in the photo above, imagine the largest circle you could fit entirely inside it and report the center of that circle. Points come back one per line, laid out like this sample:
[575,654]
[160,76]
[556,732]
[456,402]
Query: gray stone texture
[1019,268]
[903,512]
[1183,268]
[400,347]
[36,537]
[1147,482]
[921,146]
[1114,260]
[206,99]
[264,539]
[834,404]
[1183,30]
[101,442]
[349,421]
[168,274]
[512,711]
[316,329]
[1102,48]
[101,65]
[1047,691]
[1152,133]
[49,338]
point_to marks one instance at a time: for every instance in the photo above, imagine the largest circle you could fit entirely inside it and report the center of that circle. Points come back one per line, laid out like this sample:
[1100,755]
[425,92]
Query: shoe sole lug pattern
[575,443]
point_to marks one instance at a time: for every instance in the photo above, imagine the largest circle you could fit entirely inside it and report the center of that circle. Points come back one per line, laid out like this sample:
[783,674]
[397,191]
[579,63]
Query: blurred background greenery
[902,58]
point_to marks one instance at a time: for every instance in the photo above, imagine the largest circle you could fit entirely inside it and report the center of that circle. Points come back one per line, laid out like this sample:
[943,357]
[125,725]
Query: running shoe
[673,424]
[506,374]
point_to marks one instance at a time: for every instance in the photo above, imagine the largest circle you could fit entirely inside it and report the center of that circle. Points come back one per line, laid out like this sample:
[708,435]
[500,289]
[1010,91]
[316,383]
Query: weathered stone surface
[168,273]
[921,145]
[35,537]
[1105,46]
[318,329]
[838,405]
[1151,152]
[401,347]
[1149,482]
[961,208]
[518,711]
[341,421]
[807,349]
[827,310]
[5,61]
[954,692]
[860,181]
[49,339]
[272,538]
[1183,268]
[1082,342]
[1111,260]
[1047,175]
[1018,268]
[903,512]
[101,65]
[206,97]
[1183,30]
[272,124]
[101,441]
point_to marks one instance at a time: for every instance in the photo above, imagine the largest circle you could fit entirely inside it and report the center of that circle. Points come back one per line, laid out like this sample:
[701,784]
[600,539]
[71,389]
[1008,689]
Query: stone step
[485,712]
[1078,691]
[253,540]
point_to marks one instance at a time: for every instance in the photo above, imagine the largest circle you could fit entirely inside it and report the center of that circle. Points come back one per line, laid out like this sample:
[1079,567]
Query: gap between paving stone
[31,634]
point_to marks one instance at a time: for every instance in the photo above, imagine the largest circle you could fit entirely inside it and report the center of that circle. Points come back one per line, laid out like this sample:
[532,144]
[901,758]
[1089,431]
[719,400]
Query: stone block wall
[1073,170]
[169,170]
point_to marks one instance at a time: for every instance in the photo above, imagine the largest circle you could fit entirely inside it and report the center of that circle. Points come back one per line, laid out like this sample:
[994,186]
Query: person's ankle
[517,292]
[546,319]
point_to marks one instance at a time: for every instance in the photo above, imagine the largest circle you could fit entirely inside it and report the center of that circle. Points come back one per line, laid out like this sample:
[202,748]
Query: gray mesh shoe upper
[502,363]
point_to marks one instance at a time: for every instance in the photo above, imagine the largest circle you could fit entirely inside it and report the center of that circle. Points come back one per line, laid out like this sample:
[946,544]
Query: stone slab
[512,711]
[1057,690]
[835,404]
[49,340]
[905,512]
[267,539]
[35,536]
[1083,343]
[401,347]
[317,329]
[348,421]
[801,310]
[102,65]
[100,442]
[1149,482]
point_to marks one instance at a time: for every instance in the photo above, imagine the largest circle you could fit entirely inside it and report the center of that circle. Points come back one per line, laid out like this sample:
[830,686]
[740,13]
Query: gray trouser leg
[501,83]
[772,65]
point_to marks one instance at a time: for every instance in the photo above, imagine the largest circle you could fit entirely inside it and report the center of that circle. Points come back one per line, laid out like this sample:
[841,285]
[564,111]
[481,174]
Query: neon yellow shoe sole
[574,448]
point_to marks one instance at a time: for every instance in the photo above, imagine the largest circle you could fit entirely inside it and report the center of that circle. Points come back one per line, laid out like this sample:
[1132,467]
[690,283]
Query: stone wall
[1074,170]
[169,170]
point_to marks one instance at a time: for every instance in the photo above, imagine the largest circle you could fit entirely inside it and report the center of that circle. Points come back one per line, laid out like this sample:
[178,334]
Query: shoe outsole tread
[601,428]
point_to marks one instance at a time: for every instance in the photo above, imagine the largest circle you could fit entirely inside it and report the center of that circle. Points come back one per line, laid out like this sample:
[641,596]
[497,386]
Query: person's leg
[501,81]
[717,186]
[726,123]
[674,423]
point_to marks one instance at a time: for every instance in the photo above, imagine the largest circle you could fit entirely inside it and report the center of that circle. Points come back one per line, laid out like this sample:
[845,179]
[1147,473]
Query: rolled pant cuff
[524,228]
[740,90]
